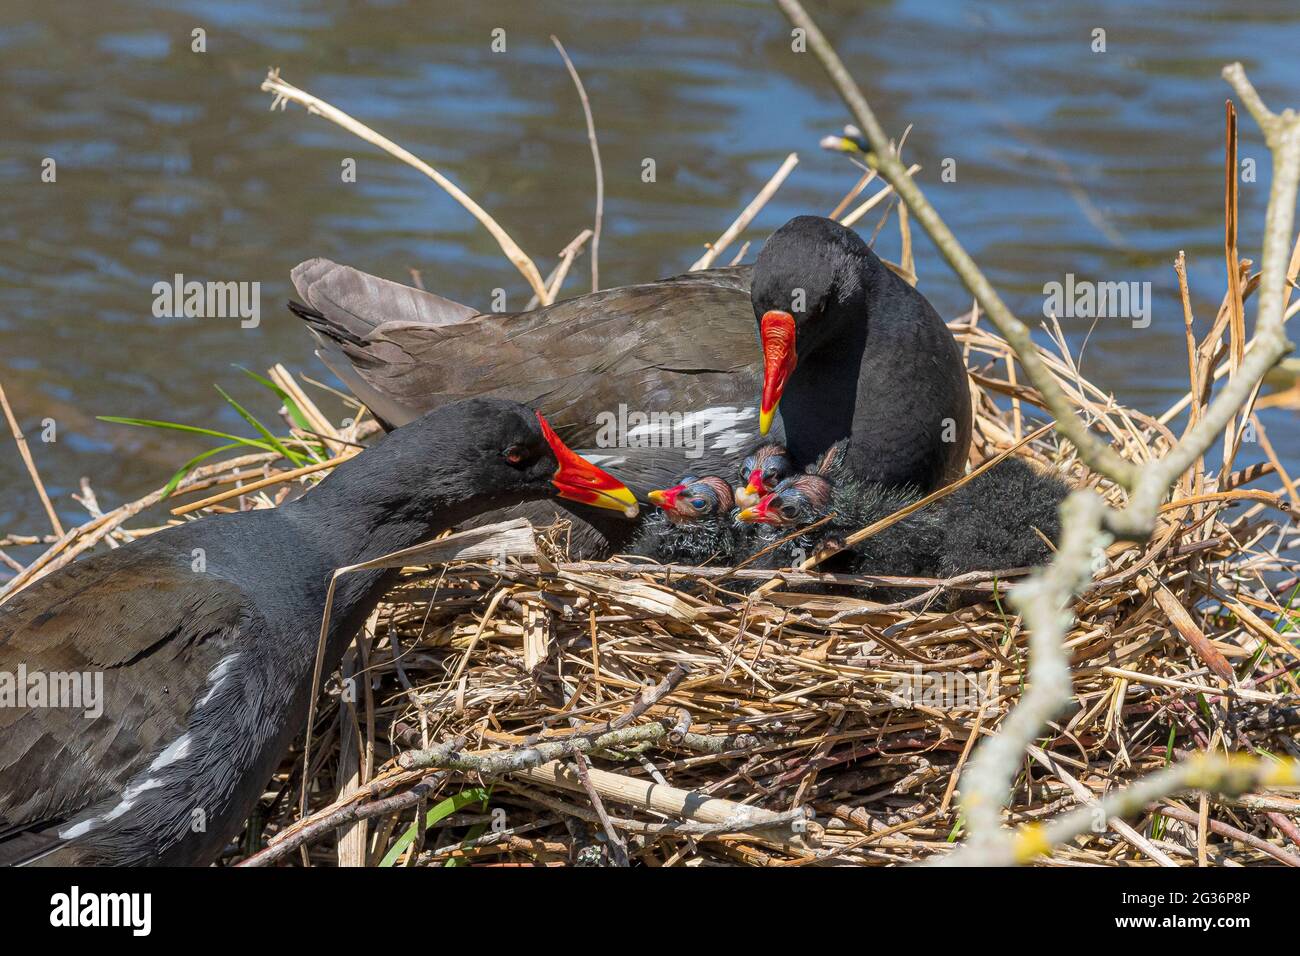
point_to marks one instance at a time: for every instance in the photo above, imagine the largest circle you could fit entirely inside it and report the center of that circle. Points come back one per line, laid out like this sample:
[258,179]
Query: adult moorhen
[205,635]
[848,349]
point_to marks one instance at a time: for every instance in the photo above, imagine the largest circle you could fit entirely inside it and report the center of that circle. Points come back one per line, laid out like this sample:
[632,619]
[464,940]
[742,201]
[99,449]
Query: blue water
[1103,165]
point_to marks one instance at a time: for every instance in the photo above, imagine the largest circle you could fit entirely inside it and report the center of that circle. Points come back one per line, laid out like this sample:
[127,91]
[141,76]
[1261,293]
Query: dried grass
[857,715]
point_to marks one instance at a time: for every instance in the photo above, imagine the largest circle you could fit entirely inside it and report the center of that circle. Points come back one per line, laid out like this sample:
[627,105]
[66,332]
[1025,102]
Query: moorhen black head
[203,638]
[850,350]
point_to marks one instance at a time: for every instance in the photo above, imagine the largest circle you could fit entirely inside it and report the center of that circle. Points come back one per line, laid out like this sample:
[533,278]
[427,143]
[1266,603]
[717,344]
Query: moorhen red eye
[206,674]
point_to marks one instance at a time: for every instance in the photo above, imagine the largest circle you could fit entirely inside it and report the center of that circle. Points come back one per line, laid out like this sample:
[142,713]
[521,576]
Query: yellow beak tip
[619,499]
[765,421]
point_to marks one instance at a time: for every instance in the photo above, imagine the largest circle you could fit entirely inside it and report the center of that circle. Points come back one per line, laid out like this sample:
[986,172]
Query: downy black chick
[908,547]
[694,525]
[992,523]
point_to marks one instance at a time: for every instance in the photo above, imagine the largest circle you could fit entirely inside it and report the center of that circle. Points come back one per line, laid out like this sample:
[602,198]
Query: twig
[286,92]
[26,455]
[747,214]
[595,159]
[279,477]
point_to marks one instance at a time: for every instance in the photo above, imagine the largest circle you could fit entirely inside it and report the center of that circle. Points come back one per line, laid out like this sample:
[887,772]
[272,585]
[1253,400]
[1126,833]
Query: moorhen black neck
[204,636]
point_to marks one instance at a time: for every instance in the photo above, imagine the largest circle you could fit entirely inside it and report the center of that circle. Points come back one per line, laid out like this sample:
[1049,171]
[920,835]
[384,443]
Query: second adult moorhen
[205,638]
[848,350]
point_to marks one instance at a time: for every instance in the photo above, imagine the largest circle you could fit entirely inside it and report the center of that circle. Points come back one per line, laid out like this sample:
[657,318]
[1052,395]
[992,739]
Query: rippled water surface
[1103,165]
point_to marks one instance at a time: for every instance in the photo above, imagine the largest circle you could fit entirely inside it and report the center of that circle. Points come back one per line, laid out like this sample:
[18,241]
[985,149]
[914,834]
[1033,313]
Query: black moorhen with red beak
[852,351]
[848,350]
[205,636]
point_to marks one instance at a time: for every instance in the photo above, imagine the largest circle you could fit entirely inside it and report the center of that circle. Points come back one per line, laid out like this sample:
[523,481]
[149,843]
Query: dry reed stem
[286,92]
[25,453]
[595,160]
[747,214]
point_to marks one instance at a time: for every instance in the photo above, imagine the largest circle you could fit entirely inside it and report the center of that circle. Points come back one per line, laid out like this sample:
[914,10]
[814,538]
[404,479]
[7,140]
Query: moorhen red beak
[196,645]
[577,479]
[777,335]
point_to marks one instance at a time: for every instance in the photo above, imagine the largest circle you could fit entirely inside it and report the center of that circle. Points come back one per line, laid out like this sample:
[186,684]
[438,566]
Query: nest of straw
[535,710]
[542,711]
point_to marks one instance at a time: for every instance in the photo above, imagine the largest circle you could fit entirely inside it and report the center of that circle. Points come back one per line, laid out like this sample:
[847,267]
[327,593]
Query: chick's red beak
[776,330]
[760,513]
[756,486]
[579,480]
[667,498]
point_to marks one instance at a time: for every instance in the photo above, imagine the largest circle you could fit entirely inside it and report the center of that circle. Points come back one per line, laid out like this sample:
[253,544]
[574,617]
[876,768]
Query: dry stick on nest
[1087,524]
[595,159]
[747,214]
[26,454]
[258,485]
[1232,833]
[285,92]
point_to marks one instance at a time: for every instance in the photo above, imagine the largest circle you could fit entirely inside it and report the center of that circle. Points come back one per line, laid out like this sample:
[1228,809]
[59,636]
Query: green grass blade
[265,432]
[185,469]
[295,412]
[438,811]
[193,429]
